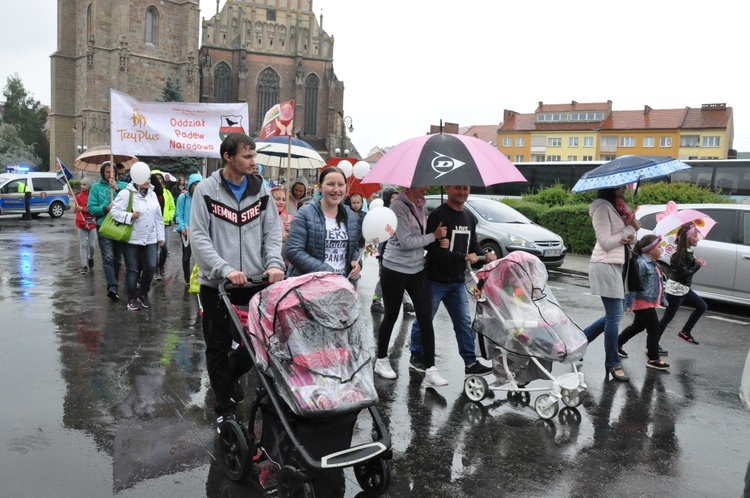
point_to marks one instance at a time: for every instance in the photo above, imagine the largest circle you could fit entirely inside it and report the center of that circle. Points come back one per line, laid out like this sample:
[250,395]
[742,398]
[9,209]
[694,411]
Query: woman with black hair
[606,275]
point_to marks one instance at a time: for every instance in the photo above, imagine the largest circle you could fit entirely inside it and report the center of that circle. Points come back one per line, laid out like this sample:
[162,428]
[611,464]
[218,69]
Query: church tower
[268,51]
[126,45]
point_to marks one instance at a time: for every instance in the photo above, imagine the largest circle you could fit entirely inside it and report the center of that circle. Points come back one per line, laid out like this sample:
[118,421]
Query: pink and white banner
[179,129]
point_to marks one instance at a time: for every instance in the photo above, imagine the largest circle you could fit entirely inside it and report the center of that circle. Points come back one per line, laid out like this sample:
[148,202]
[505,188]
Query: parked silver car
[502,229]
[726,249]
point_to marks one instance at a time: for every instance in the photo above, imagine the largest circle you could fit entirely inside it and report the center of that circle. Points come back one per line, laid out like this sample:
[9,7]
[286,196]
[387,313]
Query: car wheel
[56,209]
[488,246]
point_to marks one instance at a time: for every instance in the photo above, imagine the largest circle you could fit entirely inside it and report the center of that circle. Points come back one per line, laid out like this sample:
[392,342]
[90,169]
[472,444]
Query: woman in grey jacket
[403,269]
[324,233]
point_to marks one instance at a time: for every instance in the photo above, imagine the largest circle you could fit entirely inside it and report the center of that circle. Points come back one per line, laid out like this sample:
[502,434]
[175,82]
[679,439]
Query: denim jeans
[140,264]
[456,301]
[691,299]
[111,260]
[610,325]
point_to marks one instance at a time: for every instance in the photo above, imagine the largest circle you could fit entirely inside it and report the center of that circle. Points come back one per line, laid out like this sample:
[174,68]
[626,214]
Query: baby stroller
[312,355]
[520,326]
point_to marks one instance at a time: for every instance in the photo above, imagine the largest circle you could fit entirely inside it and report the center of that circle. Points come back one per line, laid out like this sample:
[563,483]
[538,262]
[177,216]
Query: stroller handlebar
[481,259]
[252,281]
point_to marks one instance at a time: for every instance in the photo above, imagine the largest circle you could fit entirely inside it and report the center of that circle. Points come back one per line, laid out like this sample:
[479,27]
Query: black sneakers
[657,364]
[477,369]
[113,295]
[134,305]
[237,393]
[224,417]
[416,364]
[622,353]
[409,309]
[687,338]
[145,301]
[377,307]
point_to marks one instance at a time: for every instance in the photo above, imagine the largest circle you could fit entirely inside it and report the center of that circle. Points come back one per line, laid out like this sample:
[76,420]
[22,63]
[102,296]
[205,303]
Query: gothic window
[222,82]
[311,105]
[152,26]
[268,93]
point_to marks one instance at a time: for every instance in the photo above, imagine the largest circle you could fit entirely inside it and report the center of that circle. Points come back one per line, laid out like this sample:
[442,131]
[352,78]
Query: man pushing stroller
[234,233]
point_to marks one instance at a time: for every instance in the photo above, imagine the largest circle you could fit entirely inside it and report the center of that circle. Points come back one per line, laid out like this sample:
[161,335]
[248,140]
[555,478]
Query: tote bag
[115,230]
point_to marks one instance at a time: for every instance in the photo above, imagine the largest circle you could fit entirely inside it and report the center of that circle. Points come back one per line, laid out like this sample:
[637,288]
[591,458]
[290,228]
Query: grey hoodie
[226,235]
[293,206]
[404,252]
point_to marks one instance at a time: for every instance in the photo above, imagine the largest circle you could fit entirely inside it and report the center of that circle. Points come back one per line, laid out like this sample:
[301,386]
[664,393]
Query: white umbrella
[274,152]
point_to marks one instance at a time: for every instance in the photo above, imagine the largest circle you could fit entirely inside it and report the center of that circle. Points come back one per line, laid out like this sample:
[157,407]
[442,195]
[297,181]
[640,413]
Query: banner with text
[278,121]
[180,129]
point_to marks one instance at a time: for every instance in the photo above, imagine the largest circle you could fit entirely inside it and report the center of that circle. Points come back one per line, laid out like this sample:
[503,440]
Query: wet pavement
[97,401]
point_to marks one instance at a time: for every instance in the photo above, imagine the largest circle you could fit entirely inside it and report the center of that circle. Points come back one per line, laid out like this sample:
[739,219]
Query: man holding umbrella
[102,193]
[445,267]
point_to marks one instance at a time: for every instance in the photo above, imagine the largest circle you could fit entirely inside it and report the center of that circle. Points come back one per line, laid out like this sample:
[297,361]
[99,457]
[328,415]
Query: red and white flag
[278,121]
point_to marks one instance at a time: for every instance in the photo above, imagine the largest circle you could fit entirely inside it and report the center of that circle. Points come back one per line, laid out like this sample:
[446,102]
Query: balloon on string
[376,203]
[140,173]
[346,166]
[379,224]
[361,169]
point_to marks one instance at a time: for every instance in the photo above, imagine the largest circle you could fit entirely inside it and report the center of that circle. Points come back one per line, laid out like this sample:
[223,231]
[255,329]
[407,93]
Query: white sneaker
[383,368]
[432,378]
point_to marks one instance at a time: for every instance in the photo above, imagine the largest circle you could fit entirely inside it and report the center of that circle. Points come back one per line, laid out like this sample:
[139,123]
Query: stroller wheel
[238,460]
[546,406]
[374,476]
[476,388]
[571,398]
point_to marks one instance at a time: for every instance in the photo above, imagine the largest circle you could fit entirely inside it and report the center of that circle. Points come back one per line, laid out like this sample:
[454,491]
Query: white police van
[48,195]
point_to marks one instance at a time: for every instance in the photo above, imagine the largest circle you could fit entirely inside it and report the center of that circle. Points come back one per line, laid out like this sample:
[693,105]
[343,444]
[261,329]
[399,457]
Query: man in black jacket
[445,267]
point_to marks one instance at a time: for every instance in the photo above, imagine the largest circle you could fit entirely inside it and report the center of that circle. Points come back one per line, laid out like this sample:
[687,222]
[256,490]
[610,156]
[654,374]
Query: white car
[502,229]
[726,249]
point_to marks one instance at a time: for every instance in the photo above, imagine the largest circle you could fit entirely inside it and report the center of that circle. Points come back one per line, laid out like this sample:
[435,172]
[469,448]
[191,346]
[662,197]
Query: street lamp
[81,148]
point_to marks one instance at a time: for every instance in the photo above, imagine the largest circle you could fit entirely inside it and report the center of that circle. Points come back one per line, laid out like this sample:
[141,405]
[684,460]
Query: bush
[555,195]
[680,192]
[573,224]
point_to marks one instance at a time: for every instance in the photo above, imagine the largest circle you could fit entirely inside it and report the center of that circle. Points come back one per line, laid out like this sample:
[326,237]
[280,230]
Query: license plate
[550,253]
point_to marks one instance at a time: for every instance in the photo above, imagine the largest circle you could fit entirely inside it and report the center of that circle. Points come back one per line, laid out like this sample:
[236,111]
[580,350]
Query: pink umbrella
[673,218]
[443,159]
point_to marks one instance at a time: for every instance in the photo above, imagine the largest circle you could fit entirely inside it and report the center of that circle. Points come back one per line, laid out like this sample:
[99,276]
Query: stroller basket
[306,334]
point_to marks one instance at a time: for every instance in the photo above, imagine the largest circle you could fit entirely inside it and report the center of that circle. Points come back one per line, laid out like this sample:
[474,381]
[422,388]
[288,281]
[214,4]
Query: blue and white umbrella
[628,169]
[275,151]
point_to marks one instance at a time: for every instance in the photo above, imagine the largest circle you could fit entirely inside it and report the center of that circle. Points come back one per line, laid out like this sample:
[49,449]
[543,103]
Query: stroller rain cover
[307,334]
[522,315]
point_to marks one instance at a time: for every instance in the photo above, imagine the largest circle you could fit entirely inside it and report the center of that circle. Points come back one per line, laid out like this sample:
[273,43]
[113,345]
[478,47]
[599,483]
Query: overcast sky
[409,64]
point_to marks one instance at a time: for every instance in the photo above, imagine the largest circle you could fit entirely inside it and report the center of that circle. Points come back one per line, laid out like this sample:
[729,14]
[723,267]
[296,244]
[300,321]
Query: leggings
[647,320]
[394,283]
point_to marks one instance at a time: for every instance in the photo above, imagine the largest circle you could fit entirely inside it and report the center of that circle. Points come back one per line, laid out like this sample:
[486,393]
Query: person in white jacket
[148,233]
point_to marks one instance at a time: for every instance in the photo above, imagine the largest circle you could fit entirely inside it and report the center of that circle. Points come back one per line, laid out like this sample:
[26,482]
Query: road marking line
[740,322]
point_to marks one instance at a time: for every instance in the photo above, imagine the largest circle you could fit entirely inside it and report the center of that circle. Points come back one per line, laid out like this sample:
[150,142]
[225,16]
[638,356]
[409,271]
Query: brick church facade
[257,51]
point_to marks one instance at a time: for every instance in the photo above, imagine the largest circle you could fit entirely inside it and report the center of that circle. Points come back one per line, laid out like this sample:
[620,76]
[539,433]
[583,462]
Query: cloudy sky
[409,64]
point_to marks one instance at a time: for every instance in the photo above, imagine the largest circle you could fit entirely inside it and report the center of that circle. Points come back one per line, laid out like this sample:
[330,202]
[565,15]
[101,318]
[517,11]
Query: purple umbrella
[443,159]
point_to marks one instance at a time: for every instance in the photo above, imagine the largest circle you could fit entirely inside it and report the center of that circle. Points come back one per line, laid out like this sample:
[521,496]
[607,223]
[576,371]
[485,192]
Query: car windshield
[497,212]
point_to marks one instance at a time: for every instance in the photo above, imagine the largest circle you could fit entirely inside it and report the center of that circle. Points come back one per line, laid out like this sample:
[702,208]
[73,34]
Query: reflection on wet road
[97,401]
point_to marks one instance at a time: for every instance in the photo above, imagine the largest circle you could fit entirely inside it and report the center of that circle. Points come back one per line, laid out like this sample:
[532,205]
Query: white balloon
[361,169]
[376,203]
[346,167]
[379,224]
[140,172]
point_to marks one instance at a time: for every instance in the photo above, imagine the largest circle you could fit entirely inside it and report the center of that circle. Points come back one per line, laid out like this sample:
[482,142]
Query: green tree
[29,117]
[178,166]
[12,148]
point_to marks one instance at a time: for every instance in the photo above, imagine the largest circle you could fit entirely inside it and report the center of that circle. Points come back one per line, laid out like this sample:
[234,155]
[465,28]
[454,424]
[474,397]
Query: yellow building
[594,132]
